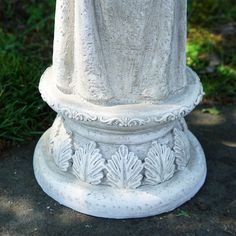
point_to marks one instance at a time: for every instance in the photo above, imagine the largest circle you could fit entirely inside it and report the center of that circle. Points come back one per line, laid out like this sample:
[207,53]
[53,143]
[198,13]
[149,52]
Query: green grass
[26,30]
[210,51]
[26,36]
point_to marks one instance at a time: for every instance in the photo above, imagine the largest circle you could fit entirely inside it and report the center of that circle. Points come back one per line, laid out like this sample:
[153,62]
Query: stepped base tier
[120,161]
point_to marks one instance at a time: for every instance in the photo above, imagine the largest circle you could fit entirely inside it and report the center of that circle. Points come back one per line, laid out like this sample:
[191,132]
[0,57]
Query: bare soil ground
[26,210]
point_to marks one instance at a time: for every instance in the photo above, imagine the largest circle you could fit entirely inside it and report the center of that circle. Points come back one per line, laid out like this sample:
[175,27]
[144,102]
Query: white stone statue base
[119,147]
[105,201]
[120,161]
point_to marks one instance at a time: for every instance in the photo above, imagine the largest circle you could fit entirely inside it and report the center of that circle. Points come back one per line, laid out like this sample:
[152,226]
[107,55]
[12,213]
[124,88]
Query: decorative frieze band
[124,169]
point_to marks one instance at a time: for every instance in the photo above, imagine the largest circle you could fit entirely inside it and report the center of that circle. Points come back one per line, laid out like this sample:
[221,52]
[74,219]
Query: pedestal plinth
[121,161]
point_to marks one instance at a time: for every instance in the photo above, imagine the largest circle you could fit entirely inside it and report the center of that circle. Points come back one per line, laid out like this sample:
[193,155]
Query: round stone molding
[133,116]
[110,202]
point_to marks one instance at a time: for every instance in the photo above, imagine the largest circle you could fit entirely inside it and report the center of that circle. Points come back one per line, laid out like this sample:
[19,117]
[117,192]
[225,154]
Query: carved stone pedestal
[120,147]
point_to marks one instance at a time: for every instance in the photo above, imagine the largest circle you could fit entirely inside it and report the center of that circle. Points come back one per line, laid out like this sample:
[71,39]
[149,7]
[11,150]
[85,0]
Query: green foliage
[211,110]
[24,54]
[211,49]
[211,12]
[182,213]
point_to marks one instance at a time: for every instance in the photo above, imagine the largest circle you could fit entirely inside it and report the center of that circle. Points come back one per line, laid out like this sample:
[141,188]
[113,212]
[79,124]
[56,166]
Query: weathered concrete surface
[26,210]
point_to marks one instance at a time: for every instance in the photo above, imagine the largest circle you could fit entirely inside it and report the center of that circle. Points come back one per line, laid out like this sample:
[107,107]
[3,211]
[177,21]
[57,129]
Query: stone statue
[137,48]
[120,147]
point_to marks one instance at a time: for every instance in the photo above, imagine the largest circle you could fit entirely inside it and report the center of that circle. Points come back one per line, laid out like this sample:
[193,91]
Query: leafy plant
[182,213]
[211,110]
[25,52]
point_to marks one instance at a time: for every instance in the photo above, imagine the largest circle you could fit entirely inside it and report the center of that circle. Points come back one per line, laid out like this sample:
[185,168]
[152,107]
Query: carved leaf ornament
[62,151]
[181,149]
[88,164]
[124,169]
[159,164]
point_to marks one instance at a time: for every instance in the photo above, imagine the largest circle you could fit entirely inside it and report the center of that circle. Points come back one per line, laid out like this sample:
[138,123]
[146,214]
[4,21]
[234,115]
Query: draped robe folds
[120,51]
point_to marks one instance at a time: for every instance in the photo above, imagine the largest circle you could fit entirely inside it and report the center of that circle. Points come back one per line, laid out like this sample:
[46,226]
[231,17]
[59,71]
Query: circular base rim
[108,202]
[141,114]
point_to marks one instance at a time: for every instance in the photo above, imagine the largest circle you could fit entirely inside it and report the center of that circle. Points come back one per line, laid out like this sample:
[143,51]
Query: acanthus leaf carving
[63,151]
[159,164]
[181,149]
[88,164]
[124,169]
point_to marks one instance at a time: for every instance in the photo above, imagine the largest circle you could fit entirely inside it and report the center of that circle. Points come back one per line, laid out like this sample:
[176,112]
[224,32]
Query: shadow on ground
[26,210]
